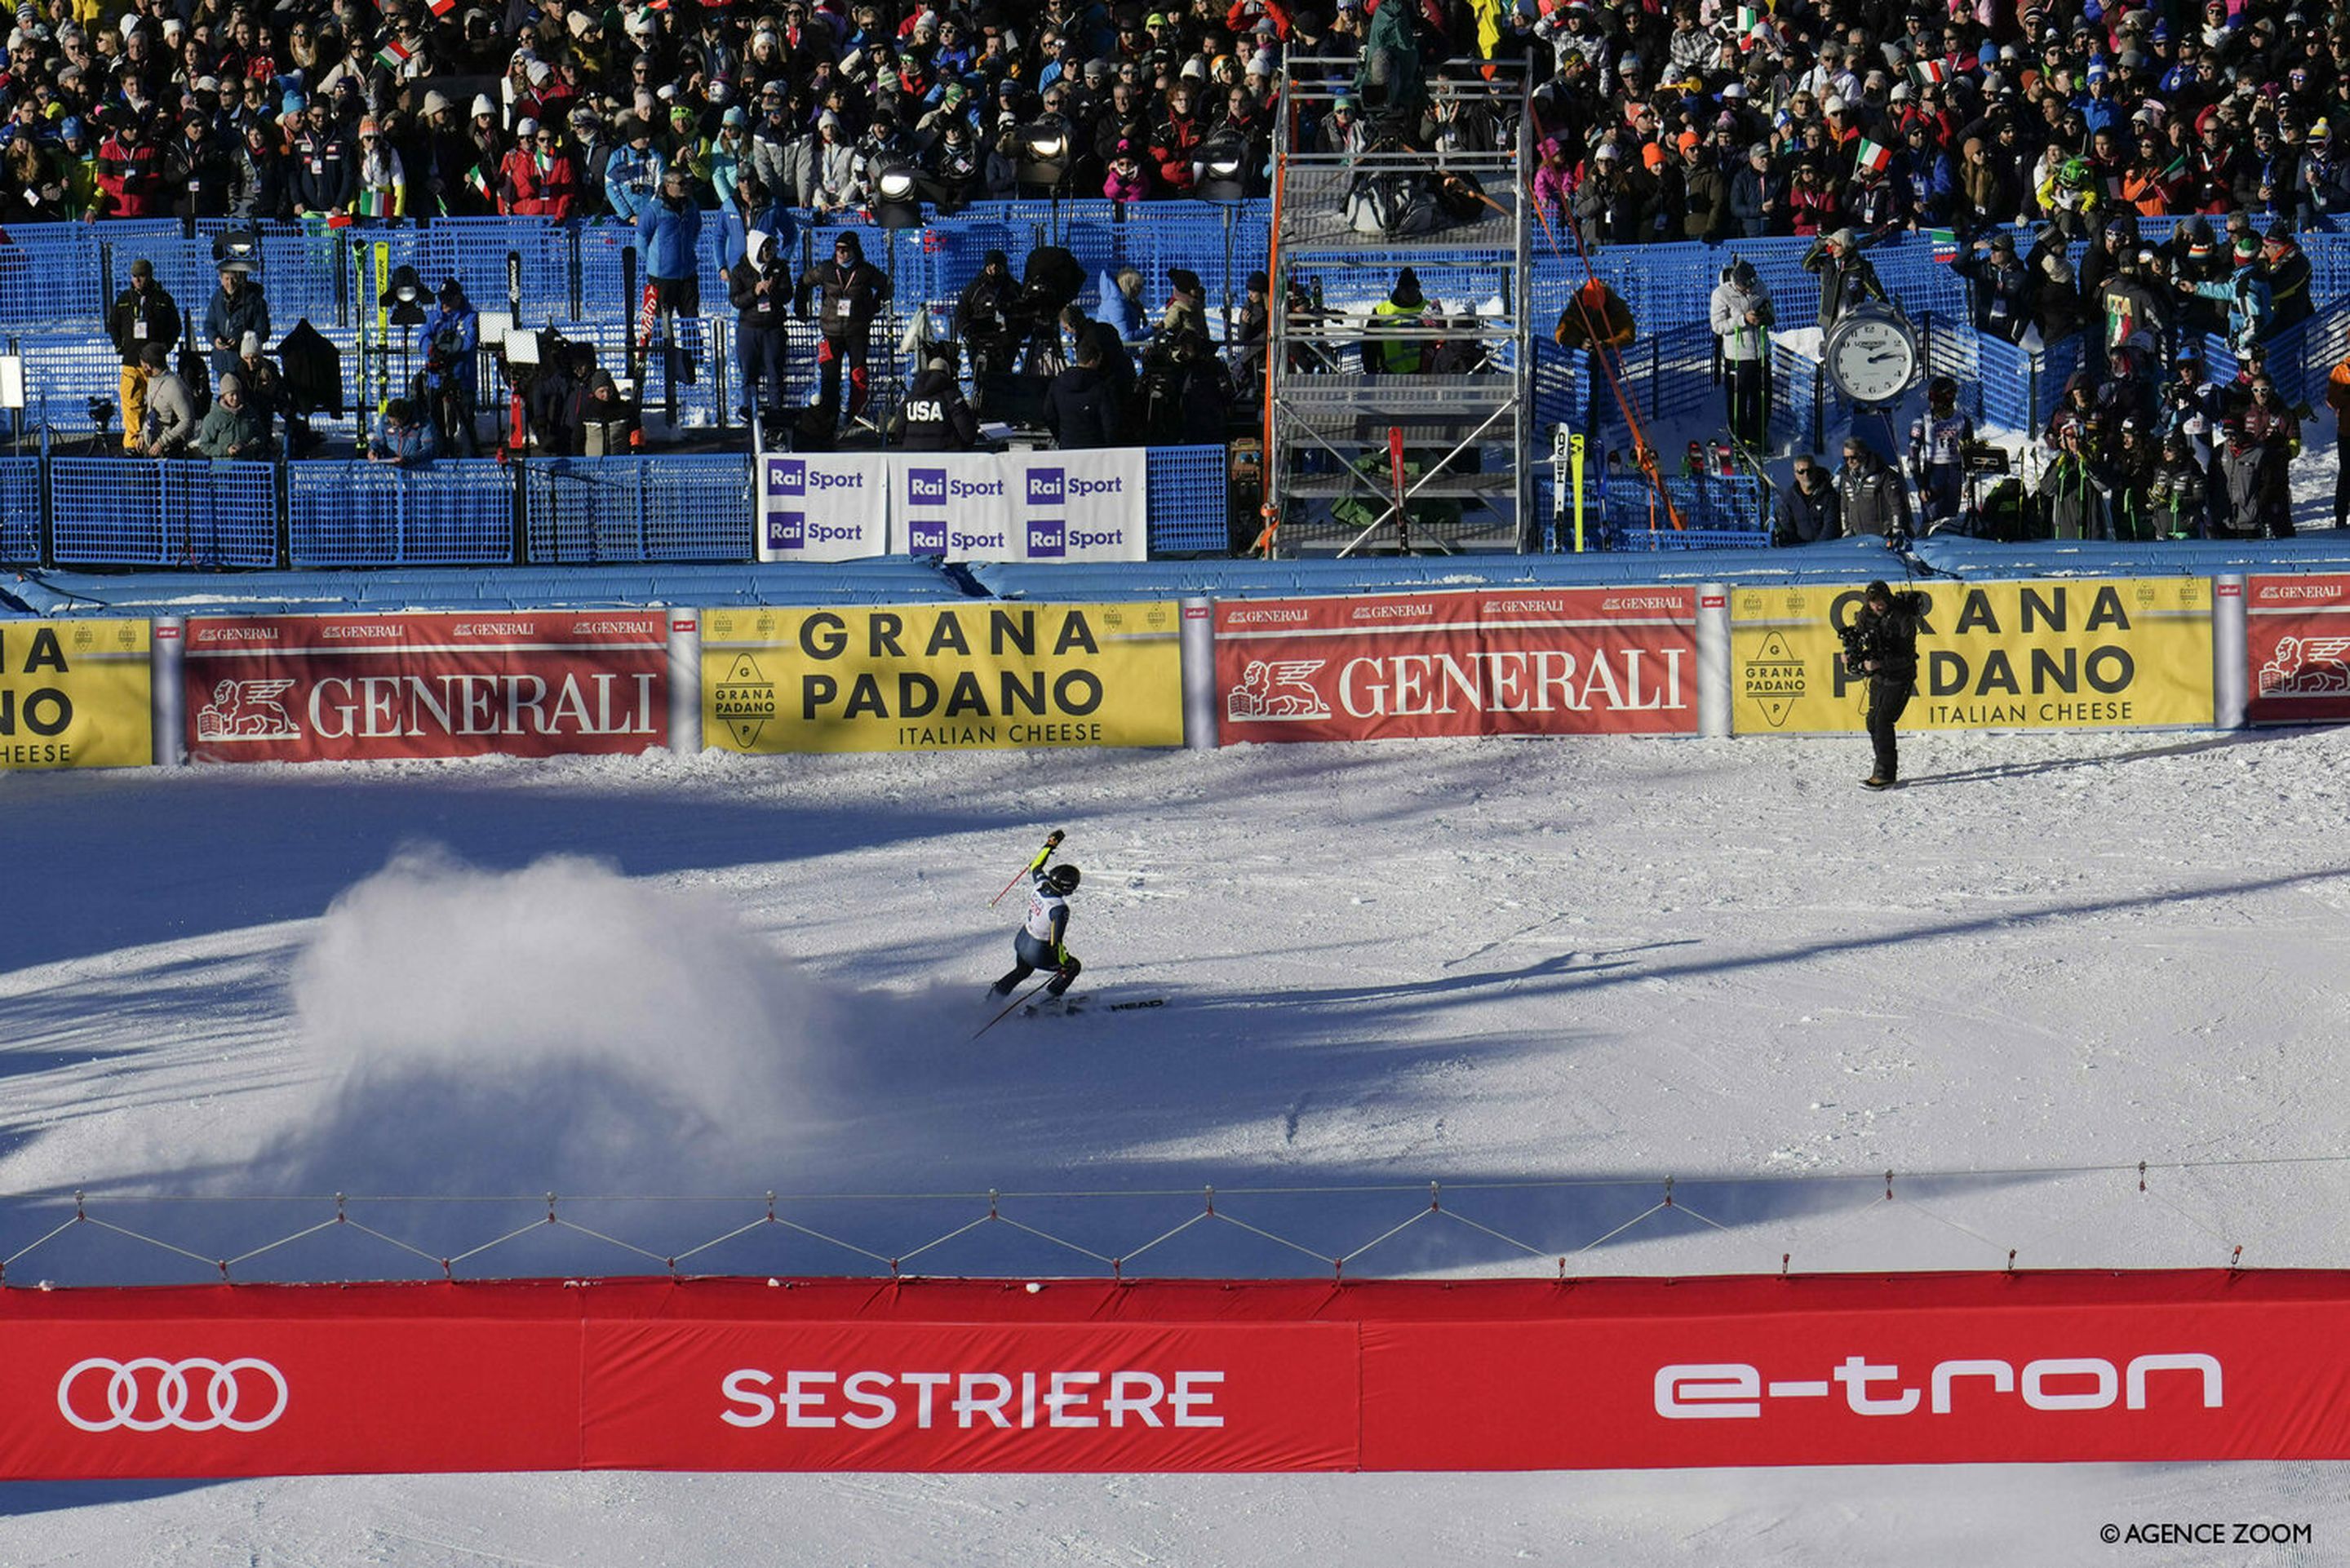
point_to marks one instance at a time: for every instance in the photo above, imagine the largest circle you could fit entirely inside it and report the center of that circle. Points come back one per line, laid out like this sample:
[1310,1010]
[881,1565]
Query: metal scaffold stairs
[1385,431]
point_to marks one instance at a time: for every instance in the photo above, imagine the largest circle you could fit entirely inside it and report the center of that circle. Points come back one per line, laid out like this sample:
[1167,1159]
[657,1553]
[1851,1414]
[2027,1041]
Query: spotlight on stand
[1044,154]
[898,197]
[1224,169]
[237,250]
[405,296]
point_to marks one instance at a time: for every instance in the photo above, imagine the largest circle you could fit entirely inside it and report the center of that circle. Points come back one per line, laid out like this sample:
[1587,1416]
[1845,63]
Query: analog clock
[1871,354]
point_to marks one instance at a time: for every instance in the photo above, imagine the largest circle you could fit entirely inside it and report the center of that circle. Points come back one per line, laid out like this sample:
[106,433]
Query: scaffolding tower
[1385,431]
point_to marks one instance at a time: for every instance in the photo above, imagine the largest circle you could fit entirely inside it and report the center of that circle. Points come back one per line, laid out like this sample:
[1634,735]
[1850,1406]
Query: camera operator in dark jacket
[1081,406]
[1882,644]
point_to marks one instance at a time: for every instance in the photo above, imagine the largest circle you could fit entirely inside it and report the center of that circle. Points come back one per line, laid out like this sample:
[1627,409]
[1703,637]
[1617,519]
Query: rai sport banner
[76,694]
[2297,648]
[1548,661]
[958,676]
[821,506]
[1032,506]
[2082,654]
[531,683]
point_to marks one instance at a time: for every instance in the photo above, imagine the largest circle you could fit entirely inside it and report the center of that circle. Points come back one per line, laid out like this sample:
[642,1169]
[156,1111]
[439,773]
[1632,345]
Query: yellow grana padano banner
[2111,653]
[920,678]
[76,694]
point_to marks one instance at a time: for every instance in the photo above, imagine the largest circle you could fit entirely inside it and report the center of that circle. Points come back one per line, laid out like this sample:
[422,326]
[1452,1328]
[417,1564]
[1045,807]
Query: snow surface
[1477,963]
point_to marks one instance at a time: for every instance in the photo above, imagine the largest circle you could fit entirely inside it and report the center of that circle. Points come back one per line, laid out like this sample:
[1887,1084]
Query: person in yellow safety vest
[1404,306]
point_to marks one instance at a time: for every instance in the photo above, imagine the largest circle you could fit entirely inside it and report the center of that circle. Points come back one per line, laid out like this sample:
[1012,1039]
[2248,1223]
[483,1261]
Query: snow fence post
[167,639]
[1199,645]
[1713,672]
[684,680]
[2231,692]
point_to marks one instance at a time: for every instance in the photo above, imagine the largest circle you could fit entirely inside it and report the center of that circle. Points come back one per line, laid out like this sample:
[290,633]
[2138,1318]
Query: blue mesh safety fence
[1188,497]
[580,511]
[1718,512]
[63,373]
[454,512]
[20,511]
[134,512]
[49,275]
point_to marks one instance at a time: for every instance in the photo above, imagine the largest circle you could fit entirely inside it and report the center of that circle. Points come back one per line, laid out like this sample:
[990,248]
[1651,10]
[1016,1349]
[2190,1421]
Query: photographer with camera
[1742,318]
[448,344]
[1881,643]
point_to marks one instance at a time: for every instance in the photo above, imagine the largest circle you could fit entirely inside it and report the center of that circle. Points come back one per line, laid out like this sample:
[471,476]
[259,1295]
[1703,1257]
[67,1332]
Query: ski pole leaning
[1015,1002]
[1052,841]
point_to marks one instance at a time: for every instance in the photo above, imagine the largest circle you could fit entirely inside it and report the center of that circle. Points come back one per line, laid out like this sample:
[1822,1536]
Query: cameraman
[448,344]
[1882,644]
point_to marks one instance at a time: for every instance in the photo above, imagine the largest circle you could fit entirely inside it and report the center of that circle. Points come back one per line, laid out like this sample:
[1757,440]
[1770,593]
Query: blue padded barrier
[1188,498]
[581,511]
[20,511]
[602,272]
[452,512]
[135,511]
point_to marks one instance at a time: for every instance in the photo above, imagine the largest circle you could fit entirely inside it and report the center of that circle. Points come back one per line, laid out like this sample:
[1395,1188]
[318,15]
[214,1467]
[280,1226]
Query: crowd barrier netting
[581,511]
[110,511]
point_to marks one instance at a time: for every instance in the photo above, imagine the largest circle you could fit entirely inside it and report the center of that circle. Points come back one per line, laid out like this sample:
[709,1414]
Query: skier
[1042,940]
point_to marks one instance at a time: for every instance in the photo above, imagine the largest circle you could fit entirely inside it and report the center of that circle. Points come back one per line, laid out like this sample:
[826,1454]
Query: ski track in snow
[1394,963]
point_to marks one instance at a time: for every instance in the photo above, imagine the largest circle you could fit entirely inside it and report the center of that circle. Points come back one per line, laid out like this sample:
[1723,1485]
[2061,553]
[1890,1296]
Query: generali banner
[1547,662]
[530,683]
[2297,635]
[1215,1376]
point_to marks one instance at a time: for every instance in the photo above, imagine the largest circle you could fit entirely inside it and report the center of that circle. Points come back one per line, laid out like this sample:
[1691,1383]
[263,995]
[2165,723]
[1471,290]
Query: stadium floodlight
[1224,169]
[898,197]
[1044,154]
[237,250]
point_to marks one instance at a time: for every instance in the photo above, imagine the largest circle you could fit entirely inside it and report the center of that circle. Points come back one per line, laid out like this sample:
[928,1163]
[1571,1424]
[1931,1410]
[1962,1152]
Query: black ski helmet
[1940,391]
[1061,879]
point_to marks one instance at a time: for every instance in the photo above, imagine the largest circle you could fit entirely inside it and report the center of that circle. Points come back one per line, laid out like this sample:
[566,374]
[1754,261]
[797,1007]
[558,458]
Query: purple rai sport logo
[1045,487]
[786,476]
[926,538]
[927,486]
[1047,538]
[787,530]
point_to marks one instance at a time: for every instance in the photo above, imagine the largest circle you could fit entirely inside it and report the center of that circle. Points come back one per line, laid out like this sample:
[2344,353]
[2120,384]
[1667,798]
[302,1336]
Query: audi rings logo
[150,1393]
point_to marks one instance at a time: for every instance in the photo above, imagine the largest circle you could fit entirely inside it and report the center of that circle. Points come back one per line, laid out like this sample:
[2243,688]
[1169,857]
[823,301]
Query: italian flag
[392,56]
[1930,73]
[480,181]
[1876,159]
[441,8]
[1945,243]
[1749,19]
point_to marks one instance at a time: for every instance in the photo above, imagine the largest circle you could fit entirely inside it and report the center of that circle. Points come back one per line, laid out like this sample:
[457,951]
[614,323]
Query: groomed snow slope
[1473,963]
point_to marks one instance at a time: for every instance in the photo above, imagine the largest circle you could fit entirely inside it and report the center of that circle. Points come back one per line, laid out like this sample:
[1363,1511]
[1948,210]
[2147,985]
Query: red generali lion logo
[149,1393]
[1277,688]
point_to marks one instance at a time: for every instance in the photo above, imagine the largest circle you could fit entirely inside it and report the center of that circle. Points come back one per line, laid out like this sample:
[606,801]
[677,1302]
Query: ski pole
[1052,841]
[1015,1002]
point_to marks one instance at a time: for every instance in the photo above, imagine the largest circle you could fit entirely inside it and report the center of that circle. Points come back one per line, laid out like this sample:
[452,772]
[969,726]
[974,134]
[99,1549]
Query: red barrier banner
[1077,1377]
[2297,648]
[1536,661]
[532,683]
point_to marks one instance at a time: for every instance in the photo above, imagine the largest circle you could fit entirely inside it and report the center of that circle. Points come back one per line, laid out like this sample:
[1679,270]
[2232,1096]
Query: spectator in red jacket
[130,173]
[538,178]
